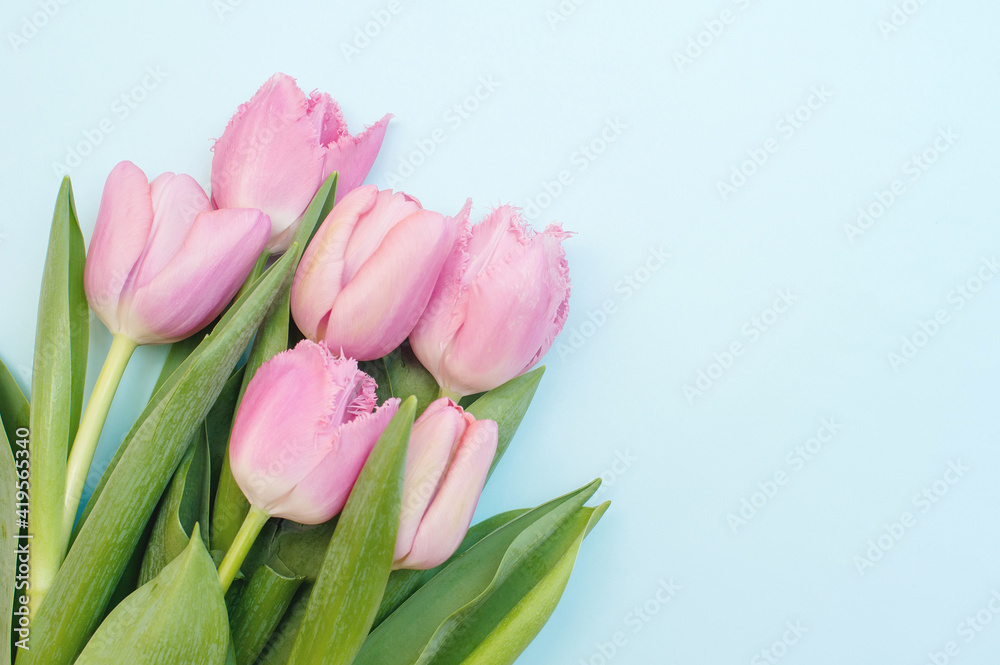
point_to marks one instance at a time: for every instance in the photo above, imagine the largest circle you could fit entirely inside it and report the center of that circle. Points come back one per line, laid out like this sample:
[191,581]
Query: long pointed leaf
[58,374]
[346,596]
[103,546]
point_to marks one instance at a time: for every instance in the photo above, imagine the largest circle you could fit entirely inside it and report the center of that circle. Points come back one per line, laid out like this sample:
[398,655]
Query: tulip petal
[558,312]
[379,307]
[510,315]
[123,223]
[444,313]
[353,156]
[200,279]
[276,439]
[177,200]
[323,492]
[319,277]
[326,117]
[389,210]
[433,442]
[449,515]
[494,240]
[269,156]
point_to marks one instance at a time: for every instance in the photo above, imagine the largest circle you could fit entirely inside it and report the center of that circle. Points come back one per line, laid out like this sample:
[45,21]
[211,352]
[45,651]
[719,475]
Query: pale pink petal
[323,492]
[433,441]
[177,201]
[325,114]
[270,157]
[379,307]
[449,515]
[494,240]
[200,279]
[353,156]
[389,209]
[123,224]
[282,428]
[445,310]
[319,277]
[505,322]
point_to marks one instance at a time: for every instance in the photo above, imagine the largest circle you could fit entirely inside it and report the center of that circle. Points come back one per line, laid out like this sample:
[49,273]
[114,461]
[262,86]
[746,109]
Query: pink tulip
[447,462]
[500,302]
[162,264]
[367,275]
[303,432]
[280,147]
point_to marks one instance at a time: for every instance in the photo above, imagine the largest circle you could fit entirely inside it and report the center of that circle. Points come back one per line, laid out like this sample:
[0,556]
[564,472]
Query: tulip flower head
[279,148]
[367,276]
[500,302]
[448,459]
[162,263]
[303,431]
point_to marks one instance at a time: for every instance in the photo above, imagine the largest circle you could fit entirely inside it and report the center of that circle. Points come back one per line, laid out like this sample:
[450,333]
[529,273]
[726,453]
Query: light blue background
[617,390]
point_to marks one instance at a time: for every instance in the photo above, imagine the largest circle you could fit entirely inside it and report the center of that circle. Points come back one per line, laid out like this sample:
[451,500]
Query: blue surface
[591,118]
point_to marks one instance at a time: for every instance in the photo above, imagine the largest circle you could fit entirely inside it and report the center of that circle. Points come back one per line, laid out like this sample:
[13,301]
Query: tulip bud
[162,264]
[303,432]
[280,147]
[500,302]
[366,277]
[447,463]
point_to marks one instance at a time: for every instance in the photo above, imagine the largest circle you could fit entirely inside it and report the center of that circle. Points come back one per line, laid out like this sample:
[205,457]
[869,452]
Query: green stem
[257,271]
[444,392]
[230,508]
[85,445]
[254,522]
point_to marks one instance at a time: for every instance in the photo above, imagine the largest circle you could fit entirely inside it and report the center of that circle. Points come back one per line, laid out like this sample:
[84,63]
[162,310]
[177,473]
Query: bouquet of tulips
[346,370]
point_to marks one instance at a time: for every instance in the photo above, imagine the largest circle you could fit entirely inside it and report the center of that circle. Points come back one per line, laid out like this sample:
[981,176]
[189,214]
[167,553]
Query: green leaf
[278,650]
[403,583]
[507,405]
[492,568]
[346,596]
[520,625]
[179,617]
[58,375]
[218,424]
[151,454]
[230,506]
[13,405]
[400,374]
[302,548]
[178,353]
[263,603]
[8,541]
[183,506]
